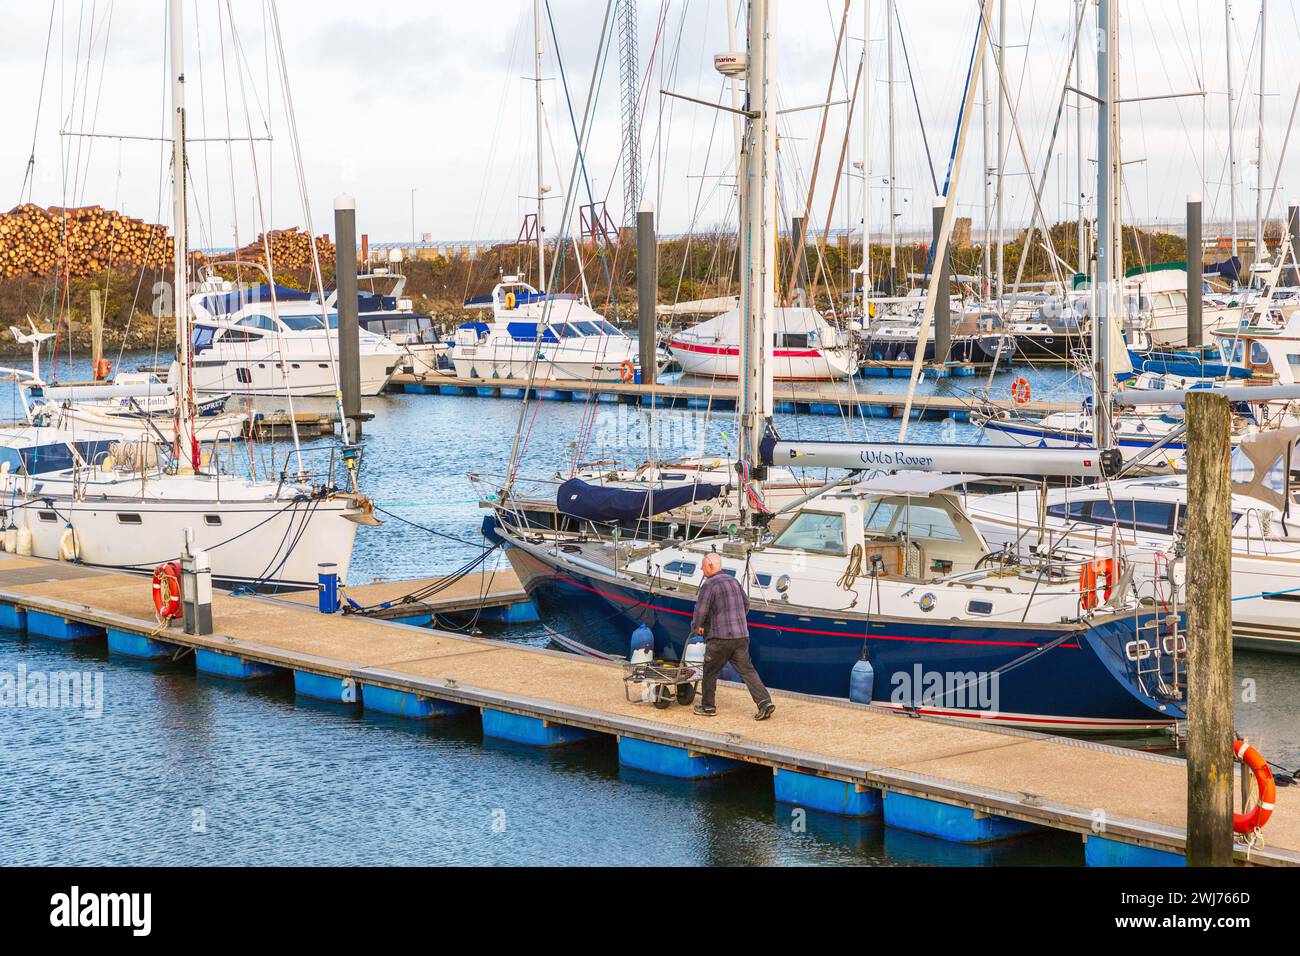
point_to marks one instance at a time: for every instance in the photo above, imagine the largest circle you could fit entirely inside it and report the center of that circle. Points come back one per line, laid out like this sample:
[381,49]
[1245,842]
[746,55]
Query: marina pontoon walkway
[960,782]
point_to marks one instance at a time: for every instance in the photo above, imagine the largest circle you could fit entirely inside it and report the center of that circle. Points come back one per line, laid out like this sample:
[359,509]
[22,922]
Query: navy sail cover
[580,499]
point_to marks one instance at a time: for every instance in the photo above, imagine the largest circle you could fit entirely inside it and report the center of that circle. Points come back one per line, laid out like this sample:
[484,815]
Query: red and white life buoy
[1020,390]
[627,371]
[167,591]
[1256,818]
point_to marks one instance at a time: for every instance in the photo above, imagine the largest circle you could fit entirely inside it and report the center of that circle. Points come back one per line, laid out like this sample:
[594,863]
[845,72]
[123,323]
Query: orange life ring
[1250,822]
[627,371]
[1020,390]
[167,591]
[103,369]
[1088,575]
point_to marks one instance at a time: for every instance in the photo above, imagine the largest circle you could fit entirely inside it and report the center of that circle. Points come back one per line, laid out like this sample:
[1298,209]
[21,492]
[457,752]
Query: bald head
[711,564]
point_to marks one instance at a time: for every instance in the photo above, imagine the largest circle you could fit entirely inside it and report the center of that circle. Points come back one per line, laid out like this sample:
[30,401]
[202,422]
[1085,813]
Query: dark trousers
[718,652]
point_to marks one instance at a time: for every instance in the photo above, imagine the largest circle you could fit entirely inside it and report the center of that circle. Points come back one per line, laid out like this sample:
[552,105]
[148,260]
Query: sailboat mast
[758,236]
[866,153]
[541,197]
[987,253]
[893,208]
[1110,264]
[1259,136]
[1232,145]
[186,448]
[1002,153]
[1078,143]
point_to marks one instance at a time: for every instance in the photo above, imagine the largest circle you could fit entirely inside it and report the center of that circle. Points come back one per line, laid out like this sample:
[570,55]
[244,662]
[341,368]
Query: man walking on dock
[720,612]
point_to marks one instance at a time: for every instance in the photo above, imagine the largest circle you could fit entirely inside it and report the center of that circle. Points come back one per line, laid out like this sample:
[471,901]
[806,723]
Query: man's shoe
[765,711]
[705,711]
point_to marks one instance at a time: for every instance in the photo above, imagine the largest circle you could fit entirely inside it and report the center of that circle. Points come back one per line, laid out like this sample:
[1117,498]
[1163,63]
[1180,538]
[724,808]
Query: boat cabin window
[239,335]
[792,340]
[1151,516]
[762,579]
[610,329]
[202,337]
[1258,354]
[814,531]
[587,328]
[979,607]
[685,568]
[302,323]
[927,521]
[257,321]
[1232,351]
[125,518]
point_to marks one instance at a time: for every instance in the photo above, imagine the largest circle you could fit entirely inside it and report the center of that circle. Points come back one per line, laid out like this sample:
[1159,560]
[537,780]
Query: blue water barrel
[642,646]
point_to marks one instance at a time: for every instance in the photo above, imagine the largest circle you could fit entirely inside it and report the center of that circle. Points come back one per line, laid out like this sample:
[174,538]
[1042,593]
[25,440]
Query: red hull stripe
[728,350]
[810,630]
[1018,719]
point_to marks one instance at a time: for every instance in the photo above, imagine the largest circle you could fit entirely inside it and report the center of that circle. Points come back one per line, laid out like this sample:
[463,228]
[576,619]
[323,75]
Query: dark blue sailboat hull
[1064,677]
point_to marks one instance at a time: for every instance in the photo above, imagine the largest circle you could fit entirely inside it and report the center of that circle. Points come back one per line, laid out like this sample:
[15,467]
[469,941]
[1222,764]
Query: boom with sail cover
[581,499]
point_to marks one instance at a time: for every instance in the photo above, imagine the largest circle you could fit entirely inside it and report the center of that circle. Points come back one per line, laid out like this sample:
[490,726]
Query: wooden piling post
[1209,632]
[96,328]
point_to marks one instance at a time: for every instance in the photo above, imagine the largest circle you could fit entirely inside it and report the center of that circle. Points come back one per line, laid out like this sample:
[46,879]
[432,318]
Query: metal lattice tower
[630,78]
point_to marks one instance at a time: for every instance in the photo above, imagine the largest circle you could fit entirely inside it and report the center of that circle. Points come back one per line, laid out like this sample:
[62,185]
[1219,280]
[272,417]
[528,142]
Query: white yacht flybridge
[543,336]
[274,341]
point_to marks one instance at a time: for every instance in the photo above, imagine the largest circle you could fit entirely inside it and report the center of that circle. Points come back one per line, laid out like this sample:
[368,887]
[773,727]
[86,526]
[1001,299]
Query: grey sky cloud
[432,96]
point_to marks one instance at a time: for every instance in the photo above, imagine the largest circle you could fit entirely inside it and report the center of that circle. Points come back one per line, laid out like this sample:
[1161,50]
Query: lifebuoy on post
[1020,390]
[103,369]
[1256,818]
[627,371]
[167,591]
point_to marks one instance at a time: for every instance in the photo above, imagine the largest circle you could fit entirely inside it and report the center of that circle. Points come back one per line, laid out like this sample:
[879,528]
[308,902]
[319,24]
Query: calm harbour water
[185,770]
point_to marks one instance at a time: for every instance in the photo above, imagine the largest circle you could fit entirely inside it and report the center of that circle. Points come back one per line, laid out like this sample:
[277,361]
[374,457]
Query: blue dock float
[611,397]
[485,391]
[554,395]
[402,703]
[523,612]
[230,666]
[131,644]
[935,372]
[448,389]
[822,793]
[824,408]
[511,393]
[326,687]
[948,822]
[669,761]
[13,618]
[59,628]
[533,731]
[1100,851]
[705,403]
[788,408]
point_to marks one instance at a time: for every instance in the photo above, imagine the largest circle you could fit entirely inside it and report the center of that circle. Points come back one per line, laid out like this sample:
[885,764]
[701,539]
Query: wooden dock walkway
[788,397]
[923,774]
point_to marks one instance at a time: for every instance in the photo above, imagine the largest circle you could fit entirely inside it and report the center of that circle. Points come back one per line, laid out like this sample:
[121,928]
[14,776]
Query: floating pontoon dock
[958,783]
[801,398]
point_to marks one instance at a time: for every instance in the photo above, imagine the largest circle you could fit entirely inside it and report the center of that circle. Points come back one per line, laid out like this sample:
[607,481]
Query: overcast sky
[432,96]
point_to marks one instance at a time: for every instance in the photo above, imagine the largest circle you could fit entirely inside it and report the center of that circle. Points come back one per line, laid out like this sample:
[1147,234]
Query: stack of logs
[77,242]
[290,251]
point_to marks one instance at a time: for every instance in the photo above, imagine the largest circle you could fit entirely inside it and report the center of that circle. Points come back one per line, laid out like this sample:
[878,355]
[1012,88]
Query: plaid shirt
[721,608]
